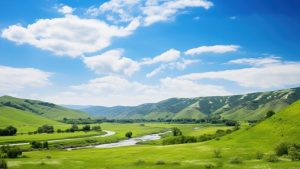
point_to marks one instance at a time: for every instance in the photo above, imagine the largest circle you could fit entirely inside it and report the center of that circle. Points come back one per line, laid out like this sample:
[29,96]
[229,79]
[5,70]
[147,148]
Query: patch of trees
[8,131]
[3,164]
[85,128]
[45,129]
[291,150]
[181,139]
[10,152]
[269,114]
[39,145]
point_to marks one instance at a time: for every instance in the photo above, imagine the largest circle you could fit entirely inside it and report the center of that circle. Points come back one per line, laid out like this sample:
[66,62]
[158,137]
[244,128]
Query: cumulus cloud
[17,79]
[218,49]
[149,11]
[256,61]
[70,35]
[264,77]
[115,90]
[112,62]
[65,9]
[167,56]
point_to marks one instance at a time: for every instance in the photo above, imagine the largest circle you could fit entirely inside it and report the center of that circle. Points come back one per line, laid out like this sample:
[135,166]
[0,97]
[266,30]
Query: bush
[128,134]
[236,160]
[269,114]
[217,153]
[272,158]
[160,162]
[294,152]
[74,128]
[96,128]
[3,164]
[13,152]
[45,129]
[8,131]
[282,149]
[259,155]
[176,131]
[37,145]
[86,128]
[179,140]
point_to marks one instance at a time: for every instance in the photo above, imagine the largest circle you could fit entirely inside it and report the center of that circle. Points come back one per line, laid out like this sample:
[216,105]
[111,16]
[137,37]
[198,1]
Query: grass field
[244,143]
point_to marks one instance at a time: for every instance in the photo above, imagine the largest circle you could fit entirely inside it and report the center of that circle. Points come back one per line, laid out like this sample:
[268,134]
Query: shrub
[217,153]
[179,140]
[269,114]
[86,128]
[236,160]
[128,134]
[272,158]
[176,131]
[96,128]
[14,152]
[45,129]
[294,152]
[259,155]
[37,145]
[74,128]
[160,162]
[282,149]
[3,164]
[8,131]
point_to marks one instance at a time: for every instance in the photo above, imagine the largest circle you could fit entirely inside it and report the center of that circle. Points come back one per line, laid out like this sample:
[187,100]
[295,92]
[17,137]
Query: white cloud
[65,9]
[264,77]
[256,61]
[114,90]
[168,56]
[158,12]
[18,79]
[218,49]
[179,65]
[70,35]
[149,11]
[112,62]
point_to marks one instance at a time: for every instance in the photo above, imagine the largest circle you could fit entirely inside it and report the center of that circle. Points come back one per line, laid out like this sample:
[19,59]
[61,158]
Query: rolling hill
[44,109]
[16,117]
[252,106]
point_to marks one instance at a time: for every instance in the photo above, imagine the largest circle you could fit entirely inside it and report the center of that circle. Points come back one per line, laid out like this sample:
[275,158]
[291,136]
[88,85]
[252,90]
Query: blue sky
[128,52]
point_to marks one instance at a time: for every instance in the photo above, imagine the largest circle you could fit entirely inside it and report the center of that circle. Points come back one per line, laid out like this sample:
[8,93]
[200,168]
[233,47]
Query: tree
[45,129]
[96,128]
[36,144]
[14,152]
[8,131]
[45,145]
[3,164]
[73,128]
[269,114]
[128,134]
[176,131]
[86,128]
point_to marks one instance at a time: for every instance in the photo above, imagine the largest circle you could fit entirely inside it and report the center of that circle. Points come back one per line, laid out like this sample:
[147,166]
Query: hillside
[284,126]
[16,117]
[45,109]
[251,106]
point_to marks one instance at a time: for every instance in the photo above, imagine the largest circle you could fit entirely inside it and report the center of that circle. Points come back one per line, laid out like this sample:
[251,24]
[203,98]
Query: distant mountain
[76,107]
[45,109]
[251,106]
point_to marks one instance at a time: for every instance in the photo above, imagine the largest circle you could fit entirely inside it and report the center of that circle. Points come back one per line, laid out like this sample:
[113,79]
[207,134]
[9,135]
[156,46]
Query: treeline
[8,131]
[179,138]
[212,120]
[74,128]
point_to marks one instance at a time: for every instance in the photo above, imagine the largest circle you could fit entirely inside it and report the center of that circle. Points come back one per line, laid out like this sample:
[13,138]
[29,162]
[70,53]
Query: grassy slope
[284,126]
[44,109]
[20,118]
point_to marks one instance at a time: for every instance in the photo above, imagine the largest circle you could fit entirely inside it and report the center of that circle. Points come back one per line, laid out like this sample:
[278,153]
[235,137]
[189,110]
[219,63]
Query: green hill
[252,106]
[284,126]
[15,117]
[45,109]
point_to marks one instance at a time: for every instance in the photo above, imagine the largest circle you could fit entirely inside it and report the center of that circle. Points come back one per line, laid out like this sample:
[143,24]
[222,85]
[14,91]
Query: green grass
[44,109]
[244,143]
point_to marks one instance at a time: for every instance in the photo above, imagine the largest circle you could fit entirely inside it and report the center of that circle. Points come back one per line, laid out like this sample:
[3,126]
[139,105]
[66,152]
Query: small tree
[13,152]
[3,164]
[45,145]
[269,114]
[86,128]
[282,149]
[176,131]
[128,134]
[74,128]
[96,128]
[36,144]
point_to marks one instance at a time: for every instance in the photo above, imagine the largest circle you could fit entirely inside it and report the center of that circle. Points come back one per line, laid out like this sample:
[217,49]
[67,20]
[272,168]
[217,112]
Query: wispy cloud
[218,49]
